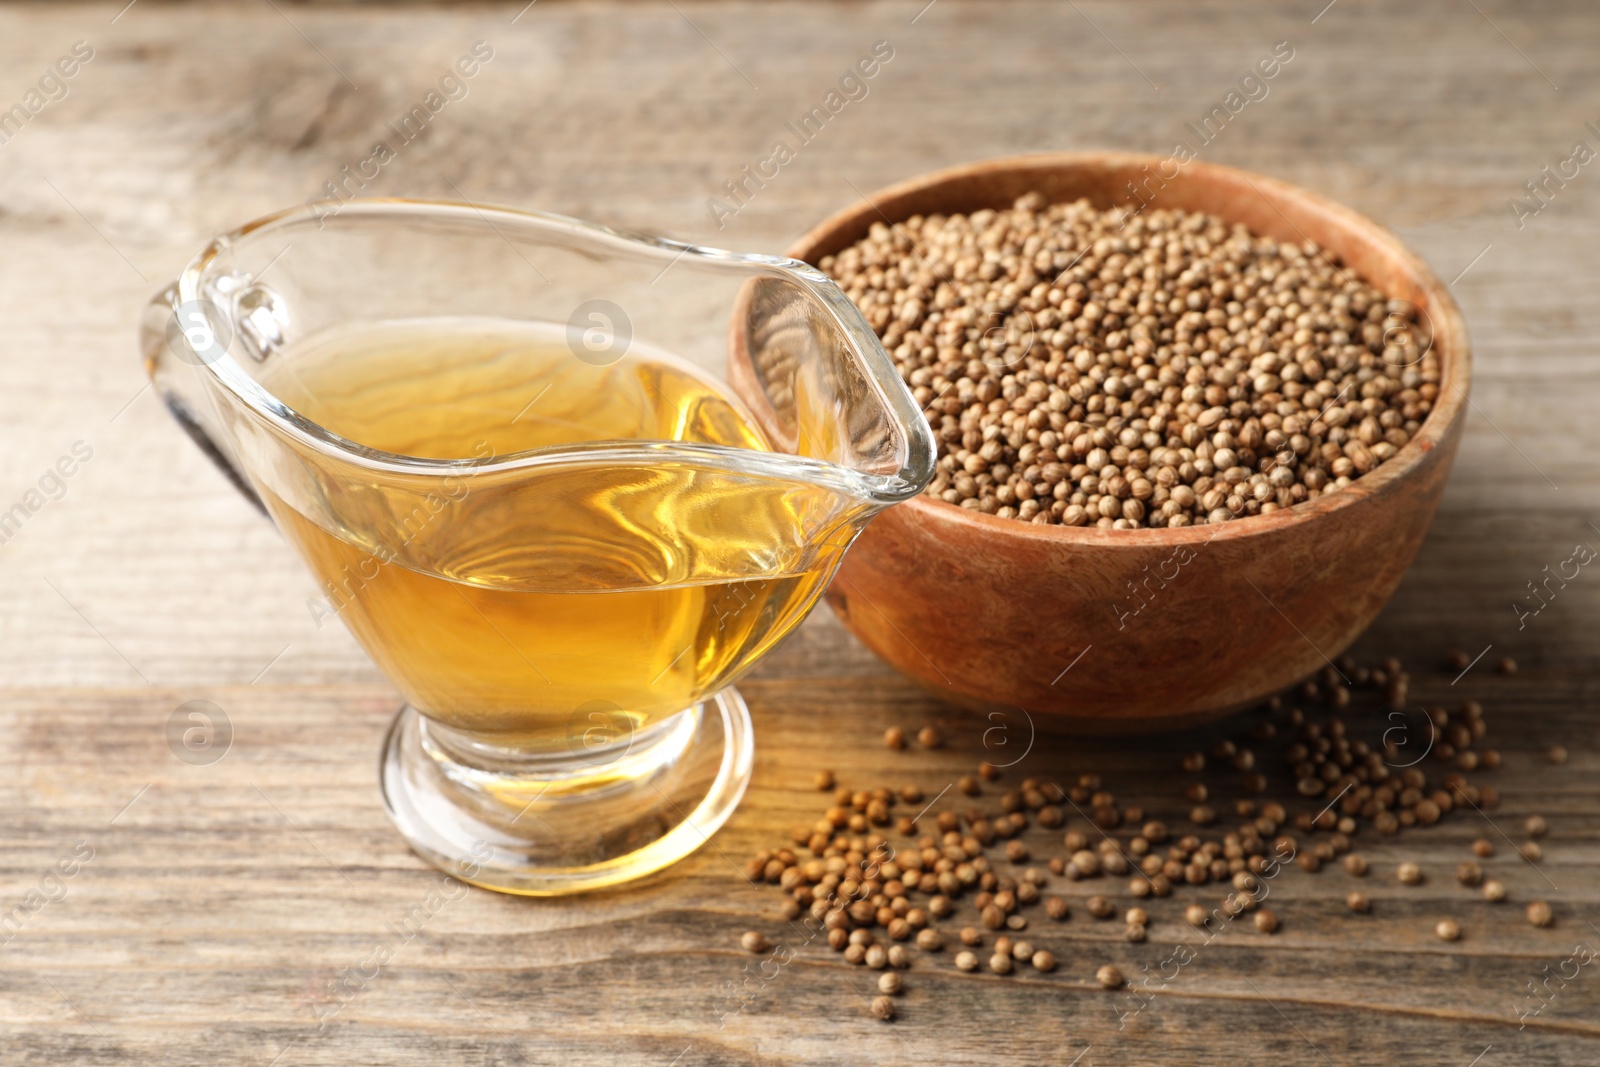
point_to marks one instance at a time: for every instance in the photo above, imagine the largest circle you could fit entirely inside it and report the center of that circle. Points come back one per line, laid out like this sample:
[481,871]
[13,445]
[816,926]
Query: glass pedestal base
[544,824]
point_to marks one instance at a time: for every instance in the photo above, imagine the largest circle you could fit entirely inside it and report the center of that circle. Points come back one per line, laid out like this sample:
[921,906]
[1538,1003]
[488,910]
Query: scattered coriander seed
[930,737]
[968,785]
[883,1008]
[1022,951]
[838,939]
[1266,921]
[971,936]
[1355,863]
[1043,961]
[877,957]
[1016,922]
[1483,848]
[899,958]
[1459,660]
[930,940]
[1539,913]
[1448,930]
[992,917]
[1057,908]
[1196,915]
[1493,891]
[1469,873]
[1100,907]
[1409,874]
[1000,964]
[791,909]
[1507,665]
[1357,902]
[1531,851]
[1109,977]
[1535,826]
[1556,754]
[1194,762]
[1136,915]
[1135,932]
[966,961]
[855,954]
[890,983]
[754,942]
[824,780]
[894,737]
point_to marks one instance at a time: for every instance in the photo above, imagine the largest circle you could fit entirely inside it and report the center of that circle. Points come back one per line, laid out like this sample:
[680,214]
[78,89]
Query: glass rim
[916,465]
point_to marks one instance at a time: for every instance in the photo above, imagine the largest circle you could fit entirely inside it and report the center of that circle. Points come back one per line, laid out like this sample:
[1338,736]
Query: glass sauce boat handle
[175,355]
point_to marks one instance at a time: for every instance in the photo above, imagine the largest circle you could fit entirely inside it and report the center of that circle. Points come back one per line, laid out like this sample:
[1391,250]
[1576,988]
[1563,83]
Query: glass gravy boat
[564,608]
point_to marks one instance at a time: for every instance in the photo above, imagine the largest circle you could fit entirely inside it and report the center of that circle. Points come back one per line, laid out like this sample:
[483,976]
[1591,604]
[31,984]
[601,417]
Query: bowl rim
[1449,339]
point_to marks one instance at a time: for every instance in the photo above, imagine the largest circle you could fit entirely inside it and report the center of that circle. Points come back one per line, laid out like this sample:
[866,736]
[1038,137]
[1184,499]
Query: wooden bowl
[998,613]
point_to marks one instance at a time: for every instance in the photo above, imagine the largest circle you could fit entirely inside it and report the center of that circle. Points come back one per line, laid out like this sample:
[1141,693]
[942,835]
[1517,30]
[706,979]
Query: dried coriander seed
[1000,964]
[1531,851]
[1507,665]
[1109,977]
[1057,908]
[824,781]
[1357,902]
[966,961]
[971,936]
[1539,913]
[1493,891]
[1136,932]
[1448,930]
[1409,874]
[1556,754]
[1043,961]
[1266,921]
[883,1008]
[930,940]
[930,737]
[1356,864]
[1100,907]
[1469,873]
[1196,915]
[894,738]
[877,957]
[752,941]
[889,983]
[1483,848]
[1535,826]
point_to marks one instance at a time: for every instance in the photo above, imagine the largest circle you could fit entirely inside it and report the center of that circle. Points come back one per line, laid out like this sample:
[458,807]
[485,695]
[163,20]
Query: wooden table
[214,912]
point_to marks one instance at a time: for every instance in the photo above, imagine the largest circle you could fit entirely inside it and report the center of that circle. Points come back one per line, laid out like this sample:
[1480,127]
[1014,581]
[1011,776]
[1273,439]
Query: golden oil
[613,576]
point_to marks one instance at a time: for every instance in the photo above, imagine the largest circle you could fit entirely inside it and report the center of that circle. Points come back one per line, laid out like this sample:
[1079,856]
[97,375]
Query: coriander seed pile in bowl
[1193,424]
[1127,368]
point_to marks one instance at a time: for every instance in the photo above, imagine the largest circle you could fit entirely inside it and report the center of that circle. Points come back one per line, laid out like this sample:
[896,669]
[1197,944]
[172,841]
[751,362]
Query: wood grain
[219,906]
